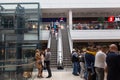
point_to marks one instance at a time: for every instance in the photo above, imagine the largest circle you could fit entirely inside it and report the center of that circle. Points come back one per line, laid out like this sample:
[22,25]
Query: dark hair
[48,49]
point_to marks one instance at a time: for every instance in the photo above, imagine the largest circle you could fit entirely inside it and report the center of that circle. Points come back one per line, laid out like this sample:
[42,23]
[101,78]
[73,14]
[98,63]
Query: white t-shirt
[100,59]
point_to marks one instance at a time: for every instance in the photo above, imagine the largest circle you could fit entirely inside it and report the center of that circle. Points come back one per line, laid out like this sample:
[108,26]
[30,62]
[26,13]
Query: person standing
[38,57]
[75,61]
[82,63]
[113,63]
[89,63]
[42,61]
[100,62]
[47,62]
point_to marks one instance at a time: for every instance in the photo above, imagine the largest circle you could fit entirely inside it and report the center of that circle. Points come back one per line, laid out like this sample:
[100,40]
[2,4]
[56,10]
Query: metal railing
[13,69]
[59,51]
[49,39]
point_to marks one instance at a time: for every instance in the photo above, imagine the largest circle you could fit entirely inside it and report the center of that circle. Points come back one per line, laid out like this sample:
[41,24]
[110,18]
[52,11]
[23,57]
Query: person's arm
[106,69]
[42,57]
[91,52]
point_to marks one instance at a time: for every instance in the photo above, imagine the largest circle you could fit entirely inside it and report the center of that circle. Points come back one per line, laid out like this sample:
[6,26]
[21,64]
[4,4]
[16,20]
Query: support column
[70,19]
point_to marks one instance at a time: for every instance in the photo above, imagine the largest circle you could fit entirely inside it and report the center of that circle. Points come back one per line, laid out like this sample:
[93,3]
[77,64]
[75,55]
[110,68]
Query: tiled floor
[65,74]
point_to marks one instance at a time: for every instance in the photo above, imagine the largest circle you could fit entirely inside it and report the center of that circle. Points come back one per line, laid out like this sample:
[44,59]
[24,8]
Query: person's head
[73,50]
[45,50]
[104,48]
[78,51]
[84,50]
[113,48]
[48,49]
[42,52]
[90,48]
[37,50]
[99,47]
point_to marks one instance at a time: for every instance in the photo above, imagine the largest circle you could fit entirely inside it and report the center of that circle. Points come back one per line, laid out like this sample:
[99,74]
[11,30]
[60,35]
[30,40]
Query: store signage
[117,19]
[113,19]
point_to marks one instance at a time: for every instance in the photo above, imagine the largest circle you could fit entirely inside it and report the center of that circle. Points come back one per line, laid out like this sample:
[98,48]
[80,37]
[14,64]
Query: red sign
[111,19]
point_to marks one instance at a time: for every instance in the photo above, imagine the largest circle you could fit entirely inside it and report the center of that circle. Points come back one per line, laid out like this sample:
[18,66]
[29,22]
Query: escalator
[52,44]
[66,48]
[60,49]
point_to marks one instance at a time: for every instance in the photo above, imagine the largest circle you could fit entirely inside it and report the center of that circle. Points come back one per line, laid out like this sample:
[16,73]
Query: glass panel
[16,53]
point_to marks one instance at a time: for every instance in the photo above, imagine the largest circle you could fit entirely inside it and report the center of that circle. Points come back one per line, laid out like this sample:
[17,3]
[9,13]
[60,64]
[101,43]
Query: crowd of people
[90,63]
[95,26]
[93,62]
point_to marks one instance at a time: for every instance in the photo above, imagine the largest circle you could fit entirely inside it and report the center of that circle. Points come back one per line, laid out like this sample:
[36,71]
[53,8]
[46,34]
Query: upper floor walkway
[82,35]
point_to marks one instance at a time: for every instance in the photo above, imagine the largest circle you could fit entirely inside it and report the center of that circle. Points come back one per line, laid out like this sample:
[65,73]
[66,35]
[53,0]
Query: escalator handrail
[59,50]
[49,39]
[70,39]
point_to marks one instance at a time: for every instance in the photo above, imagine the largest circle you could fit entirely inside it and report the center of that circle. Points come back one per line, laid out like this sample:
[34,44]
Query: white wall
[72,3]
[94,34]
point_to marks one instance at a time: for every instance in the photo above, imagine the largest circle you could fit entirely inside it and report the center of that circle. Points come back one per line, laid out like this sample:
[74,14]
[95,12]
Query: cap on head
[73,50]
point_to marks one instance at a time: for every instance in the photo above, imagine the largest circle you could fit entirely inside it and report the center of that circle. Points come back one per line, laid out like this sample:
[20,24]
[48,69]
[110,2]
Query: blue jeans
[75,67]
[89,65]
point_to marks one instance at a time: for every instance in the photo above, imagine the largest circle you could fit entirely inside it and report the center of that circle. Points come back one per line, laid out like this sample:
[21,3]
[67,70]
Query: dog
[27,74]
